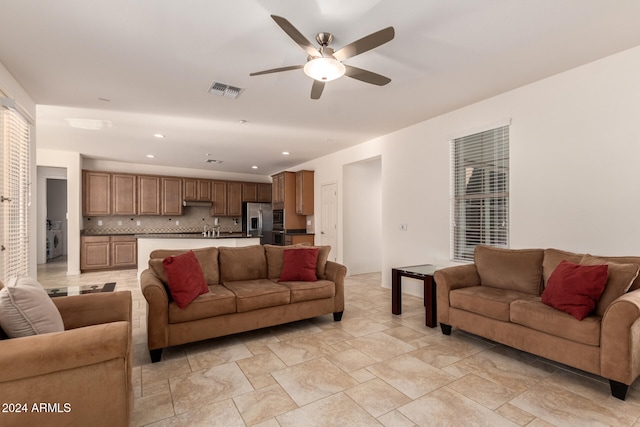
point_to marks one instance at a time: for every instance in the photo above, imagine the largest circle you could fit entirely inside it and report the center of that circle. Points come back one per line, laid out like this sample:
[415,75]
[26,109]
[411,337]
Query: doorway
[52,216]
[362,215]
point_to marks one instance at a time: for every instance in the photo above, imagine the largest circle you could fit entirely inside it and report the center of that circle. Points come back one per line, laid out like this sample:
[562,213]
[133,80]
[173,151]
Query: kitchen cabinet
[196,189]
[234,198]
[148,195]
[124,194]
[96,193]
[249,191]
[264,193]
[95,253]
[108,252]
[278,190]
[219,198]
[296,239]
[304,192]
[171,196]
[124,252]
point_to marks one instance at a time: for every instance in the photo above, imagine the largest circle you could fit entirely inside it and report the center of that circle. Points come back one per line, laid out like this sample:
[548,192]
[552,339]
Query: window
[480,192]
[15,192]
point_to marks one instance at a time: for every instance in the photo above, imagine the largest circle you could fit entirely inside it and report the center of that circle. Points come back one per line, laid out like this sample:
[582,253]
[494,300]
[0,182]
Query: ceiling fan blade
[364,44]
[277,70]
[296,35]
[365,76]
[316,89]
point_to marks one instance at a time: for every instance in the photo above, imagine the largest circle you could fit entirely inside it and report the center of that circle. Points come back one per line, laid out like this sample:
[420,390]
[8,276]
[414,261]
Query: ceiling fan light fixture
[324,69]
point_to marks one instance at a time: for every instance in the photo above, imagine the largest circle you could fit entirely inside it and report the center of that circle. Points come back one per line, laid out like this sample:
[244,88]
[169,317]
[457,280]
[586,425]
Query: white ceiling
[154,61]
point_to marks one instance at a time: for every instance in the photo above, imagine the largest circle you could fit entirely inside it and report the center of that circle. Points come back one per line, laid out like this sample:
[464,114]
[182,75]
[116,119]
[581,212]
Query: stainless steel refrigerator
[257,221]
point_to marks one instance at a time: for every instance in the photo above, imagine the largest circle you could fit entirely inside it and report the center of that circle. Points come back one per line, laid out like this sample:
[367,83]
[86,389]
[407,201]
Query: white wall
[363,216]
[10,87]
[574,151]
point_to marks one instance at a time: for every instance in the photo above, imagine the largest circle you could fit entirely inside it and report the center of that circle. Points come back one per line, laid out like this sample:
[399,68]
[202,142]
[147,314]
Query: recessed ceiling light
[158,135]
[243,121]
[254,167]
[151,156]
[285,153]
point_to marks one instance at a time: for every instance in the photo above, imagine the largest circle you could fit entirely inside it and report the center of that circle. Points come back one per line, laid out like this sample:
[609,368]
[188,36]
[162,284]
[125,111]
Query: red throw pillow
[575,289]
[185,278]
[299,265]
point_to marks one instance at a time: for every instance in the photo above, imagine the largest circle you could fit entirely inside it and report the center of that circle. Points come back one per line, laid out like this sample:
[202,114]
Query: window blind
[15,186]
[479,192]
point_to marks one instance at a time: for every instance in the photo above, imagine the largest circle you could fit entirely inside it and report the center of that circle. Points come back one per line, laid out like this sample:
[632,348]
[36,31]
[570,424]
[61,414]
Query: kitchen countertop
[193,236]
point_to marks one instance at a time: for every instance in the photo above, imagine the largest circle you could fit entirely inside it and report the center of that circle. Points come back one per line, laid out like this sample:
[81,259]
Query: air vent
[228,91]
[213,161]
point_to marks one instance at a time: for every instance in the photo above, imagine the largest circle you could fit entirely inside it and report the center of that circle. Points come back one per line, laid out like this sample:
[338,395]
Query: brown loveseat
[78,377]
[244,294]
[498,297]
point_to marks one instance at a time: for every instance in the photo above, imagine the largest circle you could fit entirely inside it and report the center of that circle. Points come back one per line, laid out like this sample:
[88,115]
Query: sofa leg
[155,355]
[337,316]
[618,389]
[446,329]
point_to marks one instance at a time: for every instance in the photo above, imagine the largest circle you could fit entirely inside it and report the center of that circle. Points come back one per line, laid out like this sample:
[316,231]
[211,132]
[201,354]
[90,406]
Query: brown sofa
[82,375]
[498,297]
[244,294]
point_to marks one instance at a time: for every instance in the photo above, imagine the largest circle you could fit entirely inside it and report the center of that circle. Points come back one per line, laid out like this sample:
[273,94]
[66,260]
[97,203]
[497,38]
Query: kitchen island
[150,242]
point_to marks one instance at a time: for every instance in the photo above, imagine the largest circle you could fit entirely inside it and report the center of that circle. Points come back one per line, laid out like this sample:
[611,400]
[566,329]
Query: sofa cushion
[513,269]
[275,257]
[621,276]
[553,257]
[299,264]
[207,257]
[624,260]
[307,291]
[219,300]
[534,314]
[575,288]
[26,309]
[185,278]
[245,263]
[486,300]
[259,293]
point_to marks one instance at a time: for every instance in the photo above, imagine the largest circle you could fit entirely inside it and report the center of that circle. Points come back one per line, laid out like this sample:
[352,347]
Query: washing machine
[54,243]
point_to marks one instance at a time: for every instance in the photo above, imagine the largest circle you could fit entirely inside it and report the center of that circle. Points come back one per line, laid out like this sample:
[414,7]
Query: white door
[329,219]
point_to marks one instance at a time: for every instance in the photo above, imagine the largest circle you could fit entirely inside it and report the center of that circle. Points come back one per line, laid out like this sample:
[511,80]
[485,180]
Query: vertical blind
[480,192]
[15,187]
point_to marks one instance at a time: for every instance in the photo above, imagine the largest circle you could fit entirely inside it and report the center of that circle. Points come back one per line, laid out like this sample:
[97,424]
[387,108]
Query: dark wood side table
[421,272]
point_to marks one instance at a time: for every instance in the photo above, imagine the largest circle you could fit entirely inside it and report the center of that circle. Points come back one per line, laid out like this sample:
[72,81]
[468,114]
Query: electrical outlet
[403,227]
[99,222]
[177,222]
[119,222]
[308,222]
[138,223]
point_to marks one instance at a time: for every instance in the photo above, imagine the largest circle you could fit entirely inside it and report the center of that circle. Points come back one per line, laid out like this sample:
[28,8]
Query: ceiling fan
[325,64]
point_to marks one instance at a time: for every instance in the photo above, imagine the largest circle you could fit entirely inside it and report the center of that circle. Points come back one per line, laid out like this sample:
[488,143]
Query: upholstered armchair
[78,377]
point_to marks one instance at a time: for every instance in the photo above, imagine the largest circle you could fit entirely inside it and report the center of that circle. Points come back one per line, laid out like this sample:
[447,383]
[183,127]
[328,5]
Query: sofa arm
[450,278]
[336,273]
[620,339]
[94,309]
[73,373]
[157,298]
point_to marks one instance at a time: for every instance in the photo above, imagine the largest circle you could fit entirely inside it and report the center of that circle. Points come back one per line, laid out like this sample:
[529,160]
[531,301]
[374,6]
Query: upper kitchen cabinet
[304,192]
[171,196]
[148,195]
[264,193]
[124,190]
[234,198]
[249,191]
[96,193]
[196,189]
[219,198]
[284,190]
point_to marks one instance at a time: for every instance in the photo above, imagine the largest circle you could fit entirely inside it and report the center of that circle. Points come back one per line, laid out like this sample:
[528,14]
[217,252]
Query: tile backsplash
[193,220]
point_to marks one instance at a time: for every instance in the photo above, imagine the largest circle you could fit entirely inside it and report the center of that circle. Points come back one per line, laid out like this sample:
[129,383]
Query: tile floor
[372,368]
